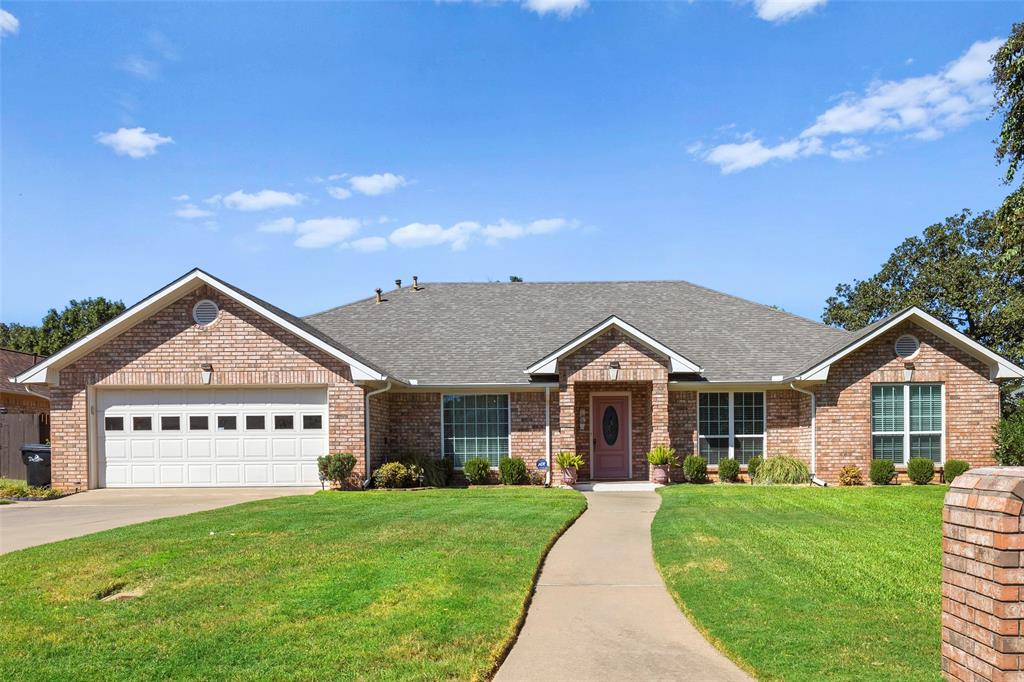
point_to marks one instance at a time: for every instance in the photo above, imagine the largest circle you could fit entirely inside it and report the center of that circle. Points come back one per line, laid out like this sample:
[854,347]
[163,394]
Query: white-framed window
[730,425]
[475,425]
[907,422]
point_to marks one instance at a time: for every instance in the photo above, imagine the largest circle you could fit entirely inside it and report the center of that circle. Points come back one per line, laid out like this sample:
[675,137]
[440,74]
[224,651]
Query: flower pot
[661,474]
[569,476]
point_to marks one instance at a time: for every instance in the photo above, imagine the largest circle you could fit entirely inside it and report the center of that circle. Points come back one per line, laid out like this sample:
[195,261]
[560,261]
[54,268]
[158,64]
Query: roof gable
[549,363]
[48,371]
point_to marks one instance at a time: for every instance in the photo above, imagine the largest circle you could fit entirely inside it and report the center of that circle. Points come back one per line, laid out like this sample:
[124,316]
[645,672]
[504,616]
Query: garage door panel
[197,437]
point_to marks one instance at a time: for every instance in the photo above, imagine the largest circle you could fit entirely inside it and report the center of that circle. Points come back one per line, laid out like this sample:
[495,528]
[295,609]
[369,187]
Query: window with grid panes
[475,426]
[906,422]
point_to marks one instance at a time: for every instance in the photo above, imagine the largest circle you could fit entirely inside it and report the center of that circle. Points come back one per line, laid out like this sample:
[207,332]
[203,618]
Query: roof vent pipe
[398,284]
[415,283]
[379,291]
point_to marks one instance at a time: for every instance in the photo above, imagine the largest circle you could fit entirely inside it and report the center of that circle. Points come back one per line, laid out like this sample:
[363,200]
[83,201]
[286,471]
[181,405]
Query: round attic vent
[907,345]
[205,312]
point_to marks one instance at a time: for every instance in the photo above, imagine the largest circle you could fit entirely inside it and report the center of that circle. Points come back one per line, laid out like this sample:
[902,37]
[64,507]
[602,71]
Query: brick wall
[983,576]
[788,429]
[415,426]
[167,349]
[844,401]
[527,440]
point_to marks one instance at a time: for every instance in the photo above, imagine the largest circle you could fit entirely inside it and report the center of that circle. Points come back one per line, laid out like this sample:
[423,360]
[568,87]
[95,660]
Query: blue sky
[312,152]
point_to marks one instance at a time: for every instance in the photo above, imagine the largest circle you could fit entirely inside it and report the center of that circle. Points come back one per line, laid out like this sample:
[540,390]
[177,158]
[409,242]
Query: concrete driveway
[26,524]
[601,610]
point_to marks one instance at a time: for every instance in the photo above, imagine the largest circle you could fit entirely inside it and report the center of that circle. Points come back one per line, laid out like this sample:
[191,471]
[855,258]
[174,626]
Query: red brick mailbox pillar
[983,576]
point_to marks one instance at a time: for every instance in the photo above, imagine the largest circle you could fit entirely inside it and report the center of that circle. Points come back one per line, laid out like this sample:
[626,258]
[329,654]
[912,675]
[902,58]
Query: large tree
[1008,79]
[955,270]
[58,329]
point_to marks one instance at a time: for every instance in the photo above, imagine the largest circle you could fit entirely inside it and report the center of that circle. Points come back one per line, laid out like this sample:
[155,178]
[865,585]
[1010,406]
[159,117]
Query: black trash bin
[37,460]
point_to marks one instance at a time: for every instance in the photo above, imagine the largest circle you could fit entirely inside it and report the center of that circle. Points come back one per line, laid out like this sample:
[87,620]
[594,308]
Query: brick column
[983,576]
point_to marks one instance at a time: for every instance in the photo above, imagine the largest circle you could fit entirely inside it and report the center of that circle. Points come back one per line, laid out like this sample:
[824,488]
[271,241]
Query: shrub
[920,470]
[392,475]
[662,455]
[728,471]
[569,460]
[537,478]
[1010,440]
[427,470]
[850,475]
[336,467]
[753,464]
[882,472]
[695,469]
[10,488]
[954,468]
[782,469]
[512,471]
[477,470]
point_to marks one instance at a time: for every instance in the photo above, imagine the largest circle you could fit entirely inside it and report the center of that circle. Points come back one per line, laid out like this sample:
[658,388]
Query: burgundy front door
[610,425]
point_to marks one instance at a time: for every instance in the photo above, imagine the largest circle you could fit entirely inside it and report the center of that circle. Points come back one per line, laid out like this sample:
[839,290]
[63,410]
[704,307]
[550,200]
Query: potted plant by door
[336,468]
[661,458]
[569,463]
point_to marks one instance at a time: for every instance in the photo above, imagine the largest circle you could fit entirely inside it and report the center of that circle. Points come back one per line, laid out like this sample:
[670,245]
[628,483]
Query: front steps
[616,486]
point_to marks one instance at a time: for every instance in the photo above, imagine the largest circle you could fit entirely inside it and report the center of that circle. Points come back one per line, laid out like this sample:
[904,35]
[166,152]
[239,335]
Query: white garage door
[212,437]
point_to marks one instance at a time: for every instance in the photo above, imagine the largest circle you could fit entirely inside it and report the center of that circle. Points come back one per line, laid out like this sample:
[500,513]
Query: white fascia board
[549,364]
[999,367]
[47,371]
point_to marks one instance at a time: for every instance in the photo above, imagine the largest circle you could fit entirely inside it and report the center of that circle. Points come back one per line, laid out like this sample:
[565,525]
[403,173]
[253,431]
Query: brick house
[203,384]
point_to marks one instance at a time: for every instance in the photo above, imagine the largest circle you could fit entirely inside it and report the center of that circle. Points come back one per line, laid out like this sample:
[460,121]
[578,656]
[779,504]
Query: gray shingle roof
[489,333]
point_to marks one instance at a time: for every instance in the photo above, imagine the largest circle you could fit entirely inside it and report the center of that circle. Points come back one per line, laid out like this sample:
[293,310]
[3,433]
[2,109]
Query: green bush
[850,475]
[882,472]
[569,460]
[695,469]
[1010,440]
[427,470]
[782,469]
[662,455]
[336,467]
[752,466]
[512,471]
[10,488]
[728,471]
[392,475]
[920,470]
[954,468]
[477,470]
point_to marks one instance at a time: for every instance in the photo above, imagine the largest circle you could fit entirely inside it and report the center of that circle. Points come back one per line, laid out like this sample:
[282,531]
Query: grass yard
[802,583]
[404,585]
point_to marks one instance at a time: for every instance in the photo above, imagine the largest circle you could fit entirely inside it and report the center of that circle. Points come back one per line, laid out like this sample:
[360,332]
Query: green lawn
[403,585]
[803,583]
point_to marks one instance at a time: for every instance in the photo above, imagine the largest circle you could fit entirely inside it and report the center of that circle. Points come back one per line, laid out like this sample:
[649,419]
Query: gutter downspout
[814,433]
[547,434]
[366,430]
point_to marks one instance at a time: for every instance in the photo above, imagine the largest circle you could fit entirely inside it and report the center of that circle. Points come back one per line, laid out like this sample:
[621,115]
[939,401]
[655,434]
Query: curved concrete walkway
[601,610]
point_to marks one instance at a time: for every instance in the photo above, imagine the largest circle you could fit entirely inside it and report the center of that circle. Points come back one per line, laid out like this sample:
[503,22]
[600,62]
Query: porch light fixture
[207,370]
[613,370]
[908,372]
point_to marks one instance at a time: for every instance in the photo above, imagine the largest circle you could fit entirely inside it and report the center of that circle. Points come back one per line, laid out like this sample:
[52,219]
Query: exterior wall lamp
[207,370]
[908,372]
[613,370]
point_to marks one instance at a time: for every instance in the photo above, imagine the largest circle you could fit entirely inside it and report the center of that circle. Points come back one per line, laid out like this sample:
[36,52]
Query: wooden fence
[15,431]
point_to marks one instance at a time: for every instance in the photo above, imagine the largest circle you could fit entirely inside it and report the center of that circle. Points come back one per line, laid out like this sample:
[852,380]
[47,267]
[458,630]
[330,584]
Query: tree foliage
[1008,79]
[955,270]
[59,329]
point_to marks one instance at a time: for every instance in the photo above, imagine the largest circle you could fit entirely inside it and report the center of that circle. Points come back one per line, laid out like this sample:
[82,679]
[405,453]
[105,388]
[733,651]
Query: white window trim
[440,416]
[732,424]
[907,433]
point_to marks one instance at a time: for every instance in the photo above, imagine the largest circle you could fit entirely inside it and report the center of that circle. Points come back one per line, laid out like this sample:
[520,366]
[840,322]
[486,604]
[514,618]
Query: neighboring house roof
[14,362]
[452,334]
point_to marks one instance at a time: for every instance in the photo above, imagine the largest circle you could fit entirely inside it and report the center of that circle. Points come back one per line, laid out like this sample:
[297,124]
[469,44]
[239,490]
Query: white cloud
[368,244]
[9,23]
[138,66]
[563,8]
[133,142]
[416,235]
[259,201]
[279,225]
[321,232]
[375,185]
[505,229]
[162,44]
[339,192]
[191,212]
[214,200]
[735,157]
[784,10]
[922,107]
[181,197]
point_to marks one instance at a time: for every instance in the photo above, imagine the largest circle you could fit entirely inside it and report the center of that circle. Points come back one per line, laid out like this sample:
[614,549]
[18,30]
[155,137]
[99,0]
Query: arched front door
[610,436]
